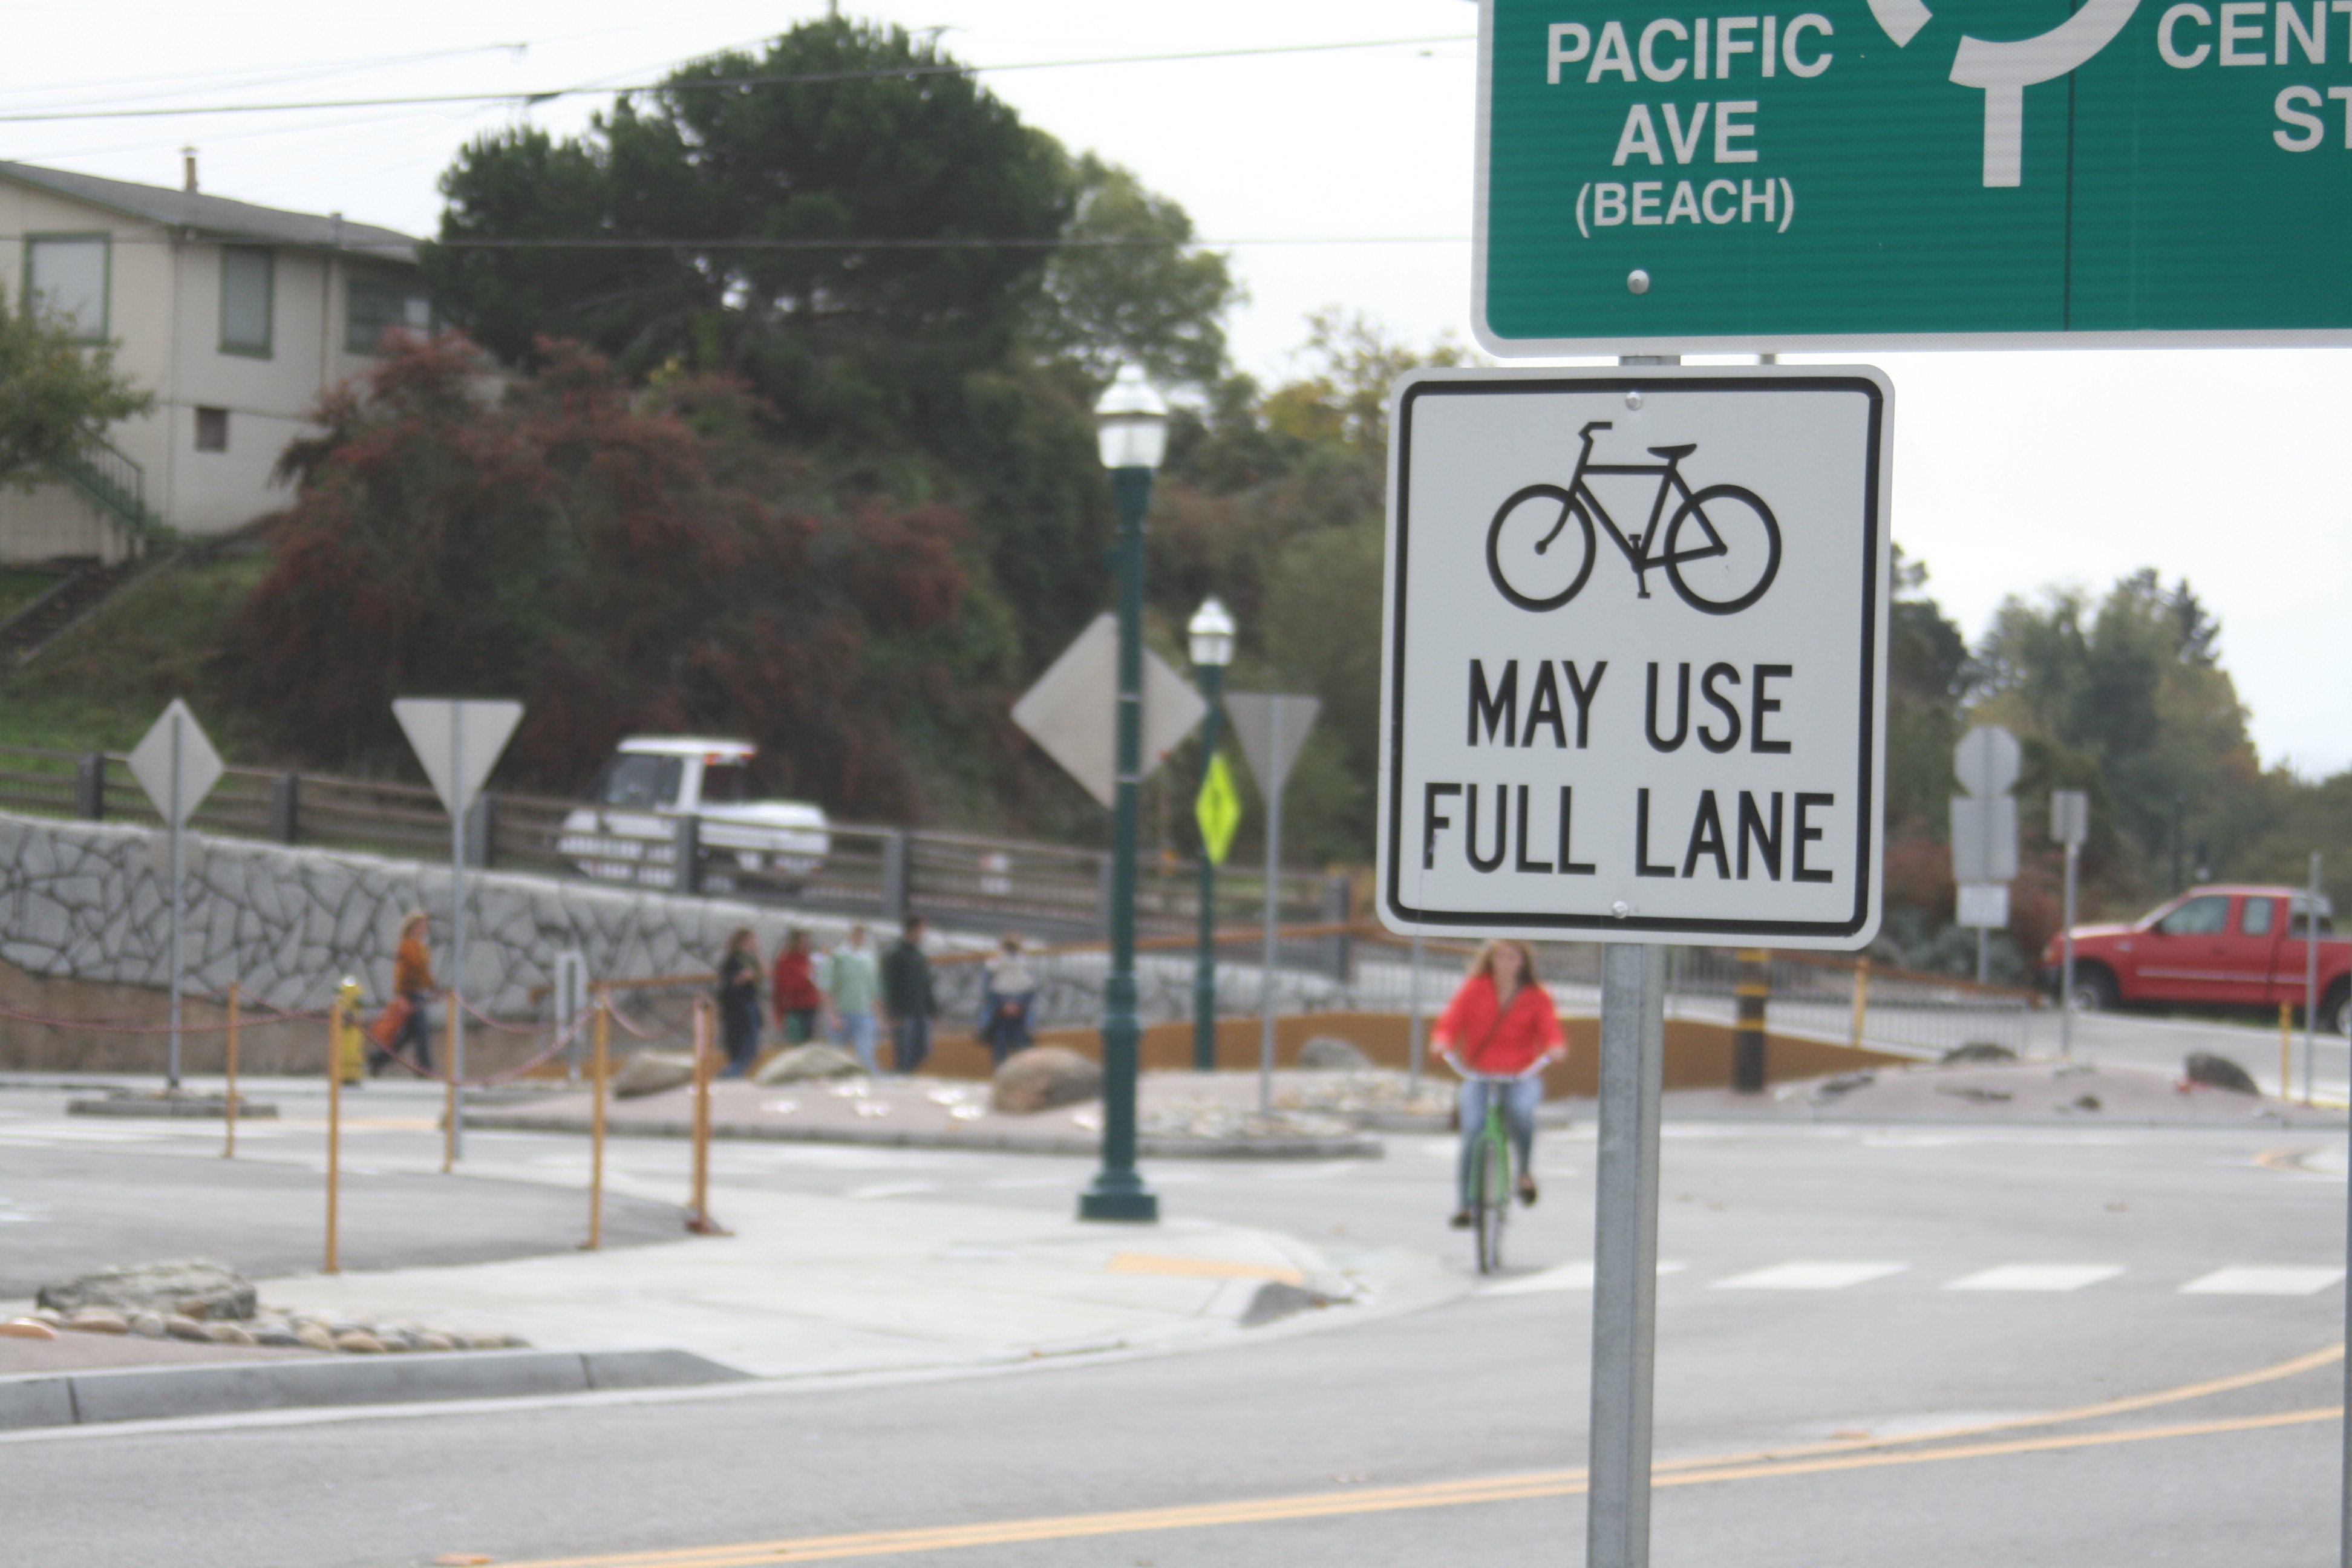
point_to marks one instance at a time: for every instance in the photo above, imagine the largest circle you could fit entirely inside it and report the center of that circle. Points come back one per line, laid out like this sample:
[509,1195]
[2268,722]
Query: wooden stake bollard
[701,1223]
[596,1080]
[2286,1050]
[229,1107]
[1861,998]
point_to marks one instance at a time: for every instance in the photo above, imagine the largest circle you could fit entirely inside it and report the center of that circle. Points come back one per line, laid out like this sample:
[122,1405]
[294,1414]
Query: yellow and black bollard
[1752,987]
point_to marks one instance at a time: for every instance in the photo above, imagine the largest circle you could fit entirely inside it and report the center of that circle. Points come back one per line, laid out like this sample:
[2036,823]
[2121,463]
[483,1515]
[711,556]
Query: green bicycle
[1490,1169]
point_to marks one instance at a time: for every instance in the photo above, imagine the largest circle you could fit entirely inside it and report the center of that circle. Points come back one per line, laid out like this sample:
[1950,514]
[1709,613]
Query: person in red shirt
[1500,1028]
[795,995]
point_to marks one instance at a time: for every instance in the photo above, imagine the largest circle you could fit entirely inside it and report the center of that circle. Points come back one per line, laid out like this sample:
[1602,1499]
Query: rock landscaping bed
[195,1302]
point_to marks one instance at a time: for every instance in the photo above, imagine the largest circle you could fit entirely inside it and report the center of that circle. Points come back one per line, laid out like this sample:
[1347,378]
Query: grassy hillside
[101,685]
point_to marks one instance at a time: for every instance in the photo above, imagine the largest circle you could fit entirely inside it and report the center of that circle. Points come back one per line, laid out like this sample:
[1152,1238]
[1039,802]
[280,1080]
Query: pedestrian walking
[413,984]
[1500,1027]
[738,1002]
[851,985]
[793,992]
[1006,997]
[907,994]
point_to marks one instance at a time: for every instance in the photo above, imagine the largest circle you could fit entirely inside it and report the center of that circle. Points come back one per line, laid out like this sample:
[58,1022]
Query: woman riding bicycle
[1499,1027]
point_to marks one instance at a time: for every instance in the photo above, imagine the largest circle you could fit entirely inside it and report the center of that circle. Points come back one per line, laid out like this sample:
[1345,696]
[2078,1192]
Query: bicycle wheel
[1494,1193]
[1737,556]
[1522,544]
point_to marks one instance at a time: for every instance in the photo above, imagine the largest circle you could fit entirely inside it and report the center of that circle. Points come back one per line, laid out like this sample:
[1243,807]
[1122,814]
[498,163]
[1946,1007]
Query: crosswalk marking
[2248,1281]
[1809,1275]
[1575,1276]
[2037,1277]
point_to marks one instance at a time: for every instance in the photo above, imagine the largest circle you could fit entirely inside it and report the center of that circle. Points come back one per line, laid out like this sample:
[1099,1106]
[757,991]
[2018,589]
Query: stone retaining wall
[84,917]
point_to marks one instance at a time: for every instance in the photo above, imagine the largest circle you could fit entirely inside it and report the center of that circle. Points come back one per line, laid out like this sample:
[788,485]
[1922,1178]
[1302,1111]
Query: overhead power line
[717,83]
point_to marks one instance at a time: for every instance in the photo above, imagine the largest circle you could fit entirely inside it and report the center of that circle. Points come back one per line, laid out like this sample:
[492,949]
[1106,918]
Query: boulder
[1977,1051]
[190,1287]
[652,1072]
[26,1329]
[1328,1053]
[1042,1078]
[805,1064]
[2217,1072]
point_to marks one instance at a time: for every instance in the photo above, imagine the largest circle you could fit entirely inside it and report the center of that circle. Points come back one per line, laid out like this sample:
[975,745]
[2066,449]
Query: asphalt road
[1404,1439]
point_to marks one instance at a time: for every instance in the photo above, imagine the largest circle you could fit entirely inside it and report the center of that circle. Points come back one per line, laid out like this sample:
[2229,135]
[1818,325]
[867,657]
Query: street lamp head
[1131,422]
[1211,632]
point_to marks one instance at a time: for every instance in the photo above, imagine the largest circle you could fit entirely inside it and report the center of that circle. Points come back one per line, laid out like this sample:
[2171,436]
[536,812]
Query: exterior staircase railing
[110,480]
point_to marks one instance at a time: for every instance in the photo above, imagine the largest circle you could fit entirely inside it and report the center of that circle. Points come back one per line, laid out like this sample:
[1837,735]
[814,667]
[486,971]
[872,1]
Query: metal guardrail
[1056,891]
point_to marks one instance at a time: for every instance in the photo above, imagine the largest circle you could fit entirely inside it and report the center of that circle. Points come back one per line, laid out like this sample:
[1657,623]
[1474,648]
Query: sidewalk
[817,1286]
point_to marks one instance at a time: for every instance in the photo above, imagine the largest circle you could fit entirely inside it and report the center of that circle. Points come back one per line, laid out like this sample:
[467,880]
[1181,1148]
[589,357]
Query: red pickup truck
[2218,947]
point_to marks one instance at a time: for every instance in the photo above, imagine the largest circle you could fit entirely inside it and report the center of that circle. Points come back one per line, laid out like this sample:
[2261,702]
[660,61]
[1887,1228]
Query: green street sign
[1218,809]
[1914,174]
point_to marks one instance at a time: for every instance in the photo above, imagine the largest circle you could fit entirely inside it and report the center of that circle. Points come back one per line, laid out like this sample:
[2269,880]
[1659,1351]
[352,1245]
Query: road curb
[1354,1147]
[151,1394]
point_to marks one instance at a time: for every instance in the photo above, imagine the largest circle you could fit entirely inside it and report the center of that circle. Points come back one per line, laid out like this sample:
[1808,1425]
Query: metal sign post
[2069,824]
[174,762]
[1625,1254]
[2311,977]
[458,742]
[1271,729]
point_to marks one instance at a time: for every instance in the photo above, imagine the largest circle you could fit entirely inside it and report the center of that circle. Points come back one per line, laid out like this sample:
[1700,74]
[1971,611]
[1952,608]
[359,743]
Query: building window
[247,283]
[212,429]
[67,273]
[375,306]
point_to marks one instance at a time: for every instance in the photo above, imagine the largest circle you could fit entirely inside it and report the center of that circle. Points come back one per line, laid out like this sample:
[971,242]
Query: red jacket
[1469,1031]
[794,990]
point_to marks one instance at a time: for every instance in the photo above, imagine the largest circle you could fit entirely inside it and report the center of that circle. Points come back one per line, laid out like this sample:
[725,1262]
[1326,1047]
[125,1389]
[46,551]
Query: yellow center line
[1450,1494]
[1844,1454]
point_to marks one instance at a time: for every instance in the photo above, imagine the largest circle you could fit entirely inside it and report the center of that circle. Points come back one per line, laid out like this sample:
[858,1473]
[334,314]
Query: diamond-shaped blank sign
[458,740]
[1073,710]
[175,764]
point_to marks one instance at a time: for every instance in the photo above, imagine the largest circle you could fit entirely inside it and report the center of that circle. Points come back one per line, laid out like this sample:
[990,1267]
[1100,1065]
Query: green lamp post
[1212,637]
[1131,422]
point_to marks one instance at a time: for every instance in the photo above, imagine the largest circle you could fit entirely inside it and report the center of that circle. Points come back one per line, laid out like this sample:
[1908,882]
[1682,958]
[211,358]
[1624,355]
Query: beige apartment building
[235,316]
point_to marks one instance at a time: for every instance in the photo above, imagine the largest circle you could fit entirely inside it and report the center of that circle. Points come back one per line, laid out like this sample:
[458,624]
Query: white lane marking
[1809,1275]
[2246,1281]
[1009,1184]
[1566,1276]
[2037,1277]
[892,1190]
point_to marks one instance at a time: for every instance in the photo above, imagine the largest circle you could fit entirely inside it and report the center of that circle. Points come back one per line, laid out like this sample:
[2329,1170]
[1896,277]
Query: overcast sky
[2012,470]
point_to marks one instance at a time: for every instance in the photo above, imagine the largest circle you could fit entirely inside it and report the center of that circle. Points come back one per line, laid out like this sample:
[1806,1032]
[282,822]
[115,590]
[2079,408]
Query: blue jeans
[910,1044]
[1521,1097]
[856,1030]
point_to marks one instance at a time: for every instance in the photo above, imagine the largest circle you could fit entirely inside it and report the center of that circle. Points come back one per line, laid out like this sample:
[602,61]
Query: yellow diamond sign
[1218,809]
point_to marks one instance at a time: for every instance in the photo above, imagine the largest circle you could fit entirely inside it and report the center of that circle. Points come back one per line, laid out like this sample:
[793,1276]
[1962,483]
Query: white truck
[628,830]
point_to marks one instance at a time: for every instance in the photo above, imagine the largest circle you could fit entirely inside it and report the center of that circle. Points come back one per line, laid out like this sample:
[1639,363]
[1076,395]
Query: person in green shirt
[851,982]
[907,995]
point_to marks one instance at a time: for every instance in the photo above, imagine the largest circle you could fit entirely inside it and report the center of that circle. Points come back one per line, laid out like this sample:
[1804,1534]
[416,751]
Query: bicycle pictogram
[1724,566]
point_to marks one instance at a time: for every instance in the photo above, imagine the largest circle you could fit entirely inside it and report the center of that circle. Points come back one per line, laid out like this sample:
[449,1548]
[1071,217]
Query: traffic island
[1181,1115]
[2071,1093]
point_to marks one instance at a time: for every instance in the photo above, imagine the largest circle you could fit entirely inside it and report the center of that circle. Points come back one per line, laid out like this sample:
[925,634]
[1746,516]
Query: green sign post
[1914,172]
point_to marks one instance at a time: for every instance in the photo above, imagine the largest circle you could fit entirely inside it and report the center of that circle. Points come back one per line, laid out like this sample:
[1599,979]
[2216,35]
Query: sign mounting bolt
[1637,281]
[1621,909]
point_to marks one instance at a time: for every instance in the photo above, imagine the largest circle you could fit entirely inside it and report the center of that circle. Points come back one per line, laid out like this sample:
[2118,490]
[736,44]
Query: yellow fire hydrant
[350,1053]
